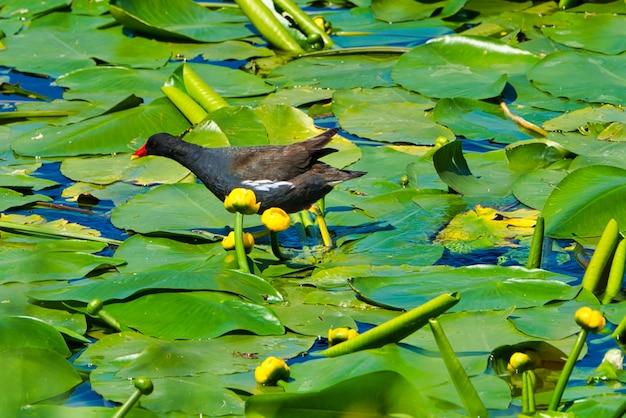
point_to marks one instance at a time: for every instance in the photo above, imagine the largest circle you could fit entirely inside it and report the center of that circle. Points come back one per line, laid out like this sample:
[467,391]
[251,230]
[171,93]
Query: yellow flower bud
[271,370]
[242,201]
[229,242]
[520,362]
[275,219]
[339,335]
[590,319]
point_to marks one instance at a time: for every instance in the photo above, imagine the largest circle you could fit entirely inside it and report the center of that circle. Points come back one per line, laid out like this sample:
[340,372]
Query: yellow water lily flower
[275,219]
[228,243]
[243,201]
[589,319]
[339,335]
[271,370]
[520,362]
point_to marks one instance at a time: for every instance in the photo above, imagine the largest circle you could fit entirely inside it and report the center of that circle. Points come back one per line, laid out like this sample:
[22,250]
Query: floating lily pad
[607,85]
[461,66]
[187,315]
[181,19]
[122,131]
[569,216]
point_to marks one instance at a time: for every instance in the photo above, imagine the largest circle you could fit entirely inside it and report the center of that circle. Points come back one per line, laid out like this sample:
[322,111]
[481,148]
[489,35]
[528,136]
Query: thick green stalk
[143,386]
[528,391]
[269,26]
[601,256]
[278,252]
[183,102]
[536,246]
[619,335]
[201,92]
[467,392]
[567,370]
[240,249]
[397,328]
[616,274]
[304,22]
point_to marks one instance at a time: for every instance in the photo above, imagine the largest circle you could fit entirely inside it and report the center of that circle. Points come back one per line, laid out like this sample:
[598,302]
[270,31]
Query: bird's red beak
[141,152]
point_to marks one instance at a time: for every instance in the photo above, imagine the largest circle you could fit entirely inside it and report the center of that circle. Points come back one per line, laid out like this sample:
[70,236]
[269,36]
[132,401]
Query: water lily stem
[467,392]
[240,250]
[536,246]
[278,252]
[528,391]
[143,386]
[521,121]
[567,370]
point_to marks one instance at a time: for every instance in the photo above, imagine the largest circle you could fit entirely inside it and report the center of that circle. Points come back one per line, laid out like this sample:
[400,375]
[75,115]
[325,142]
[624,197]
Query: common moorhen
[286,176]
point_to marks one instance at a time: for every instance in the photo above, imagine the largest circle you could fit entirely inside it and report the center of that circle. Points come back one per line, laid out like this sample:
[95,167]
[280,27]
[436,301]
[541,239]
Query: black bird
[286,176]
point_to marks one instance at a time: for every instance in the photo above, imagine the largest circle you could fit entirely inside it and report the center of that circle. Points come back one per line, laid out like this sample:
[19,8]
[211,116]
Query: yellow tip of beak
[134,157]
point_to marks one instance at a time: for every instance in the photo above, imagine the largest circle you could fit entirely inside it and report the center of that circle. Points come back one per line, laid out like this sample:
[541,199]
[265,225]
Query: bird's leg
[321,222]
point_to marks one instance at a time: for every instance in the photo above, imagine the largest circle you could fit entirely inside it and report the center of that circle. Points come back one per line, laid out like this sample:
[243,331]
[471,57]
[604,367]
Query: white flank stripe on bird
[266,185]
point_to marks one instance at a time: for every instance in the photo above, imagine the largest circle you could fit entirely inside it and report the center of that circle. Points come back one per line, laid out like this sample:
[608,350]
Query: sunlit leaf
[486,227]
[23,371]
[121,286]
[461,66]
[477,120]
[19,332]
[16,303]
[22,181]
[122,131]
[607,86]
[596,32]
[69,47]
[182,19]
[313,320]
[348,71]
[482,287]
[378,394]
[393,122]
[189,315]
[584,201]
[11,199]
[182,207]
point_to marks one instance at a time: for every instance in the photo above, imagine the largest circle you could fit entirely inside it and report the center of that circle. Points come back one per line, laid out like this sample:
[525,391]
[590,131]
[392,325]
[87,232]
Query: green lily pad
[533,188]
[70,47]
[482,287]
[583,202]
[597,32]
[24,370]
[186,315]
[19,332]
[393,122]
[17,304]
[385,392]
[349,71]
[122,131]
[312,320]
[121,286]
[607,85]
[22,181]
[182,207]
[50,261]
[178,20]
[477,120]
[13,199]
[461,66]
